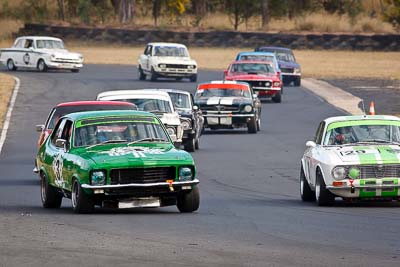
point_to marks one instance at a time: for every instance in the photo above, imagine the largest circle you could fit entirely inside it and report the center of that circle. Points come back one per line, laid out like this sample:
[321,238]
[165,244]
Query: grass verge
[7,83]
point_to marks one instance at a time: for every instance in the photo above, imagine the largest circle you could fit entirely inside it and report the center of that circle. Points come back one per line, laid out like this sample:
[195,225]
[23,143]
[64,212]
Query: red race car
[261,75]
[78,106]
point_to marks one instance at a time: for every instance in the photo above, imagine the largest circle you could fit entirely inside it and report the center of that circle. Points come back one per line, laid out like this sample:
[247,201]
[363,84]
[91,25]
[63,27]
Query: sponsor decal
[137,152]
[57,169]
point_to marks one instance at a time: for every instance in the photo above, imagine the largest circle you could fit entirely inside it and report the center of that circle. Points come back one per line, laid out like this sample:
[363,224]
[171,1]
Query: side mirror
[195,108]
[311,144]
[255,95]
[278,74]
[39,128]
[61,143]
[225,73]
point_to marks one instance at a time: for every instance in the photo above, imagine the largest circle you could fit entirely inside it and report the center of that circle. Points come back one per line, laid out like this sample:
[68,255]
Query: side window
[19,43]
[28,43]
[147,51]
[58,131]
[67,131]
[320,132]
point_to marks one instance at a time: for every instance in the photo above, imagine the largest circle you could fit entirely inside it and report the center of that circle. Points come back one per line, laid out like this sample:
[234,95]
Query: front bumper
[119,186]
[64,65]
[227,120]
[367,188]
[172,72]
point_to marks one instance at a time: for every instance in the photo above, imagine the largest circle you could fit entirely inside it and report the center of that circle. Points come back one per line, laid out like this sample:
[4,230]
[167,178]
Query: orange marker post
[372,108]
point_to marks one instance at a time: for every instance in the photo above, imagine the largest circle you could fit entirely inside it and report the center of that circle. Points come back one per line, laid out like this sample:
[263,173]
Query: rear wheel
[42,67]
[11,65]
[142,76]
[305,191]
[154,75]
[51,199]
[277,98]
[75,70]
[252,125]
[322,195]
[189,201]
[81,203]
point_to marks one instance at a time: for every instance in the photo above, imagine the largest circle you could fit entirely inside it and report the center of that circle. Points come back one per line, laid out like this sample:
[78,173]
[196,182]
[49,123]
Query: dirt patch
[6,87]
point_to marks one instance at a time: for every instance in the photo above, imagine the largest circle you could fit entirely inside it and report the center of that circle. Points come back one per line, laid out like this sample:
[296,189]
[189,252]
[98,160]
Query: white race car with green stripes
[352,157]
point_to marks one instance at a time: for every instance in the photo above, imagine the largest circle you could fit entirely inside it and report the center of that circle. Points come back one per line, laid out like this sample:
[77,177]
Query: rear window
[61,111]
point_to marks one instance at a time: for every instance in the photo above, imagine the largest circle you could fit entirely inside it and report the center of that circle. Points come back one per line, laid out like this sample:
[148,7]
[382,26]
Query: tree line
[239,11]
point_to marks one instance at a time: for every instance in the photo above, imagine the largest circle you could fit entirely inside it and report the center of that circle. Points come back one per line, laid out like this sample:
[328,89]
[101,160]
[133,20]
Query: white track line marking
[9,112]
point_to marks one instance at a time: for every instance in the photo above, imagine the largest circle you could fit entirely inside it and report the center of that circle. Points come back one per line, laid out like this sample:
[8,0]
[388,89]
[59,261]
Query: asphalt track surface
[250,212]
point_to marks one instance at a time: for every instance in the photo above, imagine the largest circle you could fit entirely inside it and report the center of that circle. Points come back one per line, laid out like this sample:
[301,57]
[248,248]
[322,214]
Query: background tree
[265,16]
[61,14]
[392,13]
[241,10]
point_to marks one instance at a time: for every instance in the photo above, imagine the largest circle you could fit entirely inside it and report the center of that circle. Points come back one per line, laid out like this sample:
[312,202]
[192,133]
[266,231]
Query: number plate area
[144,202]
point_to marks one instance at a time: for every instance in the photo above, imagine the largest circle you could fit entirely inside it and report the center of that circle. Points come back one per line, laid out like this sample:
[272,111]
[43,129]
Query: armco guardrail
[376,42]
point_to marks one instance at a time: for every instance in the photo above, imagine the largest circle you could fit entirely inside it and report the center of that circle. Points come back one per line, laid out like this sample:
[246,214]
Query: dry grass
[6,87]
[317,64]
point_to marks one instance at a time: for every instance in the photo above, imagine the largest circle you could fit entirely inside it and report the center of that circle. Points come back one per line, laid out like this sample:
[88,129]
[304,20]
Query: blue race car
[291,70]
[263,56]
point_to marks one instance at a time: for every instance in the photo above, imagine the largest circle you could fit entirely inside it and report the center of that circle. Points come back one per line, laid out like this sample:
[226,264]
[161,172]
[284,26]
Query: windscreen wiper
[149,139]
[108,142]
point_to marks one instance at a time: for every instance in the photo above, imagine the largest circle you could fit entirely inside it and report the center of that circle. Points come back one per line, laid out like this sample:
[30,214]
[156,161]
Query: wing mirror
[61,143]
[225,73]
[39,128]
[195,108]
[255,95]
[311,144]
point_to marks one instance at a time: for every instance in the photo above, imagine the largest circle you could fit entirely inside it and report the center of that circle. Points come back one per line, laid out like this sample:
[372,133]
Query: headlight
[248,108]
[170,131]
[53,57]
[81,58]
[191,66]
[98,178]
[339,173]
[277,84]
[163,66]
[185,174]
[186,125]
[297,70]
[354,172]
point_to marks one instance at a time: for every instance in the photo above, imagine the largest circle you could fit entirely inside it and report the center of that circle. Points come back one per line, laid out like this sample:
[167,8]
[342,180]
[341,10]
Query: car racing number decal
[57,169]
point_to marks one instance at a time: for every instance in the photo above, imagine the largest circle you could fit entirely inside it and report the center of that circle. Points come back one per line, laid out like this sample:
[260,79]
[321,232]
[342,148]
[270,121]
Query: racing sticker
[26,58]
[137,152]
[57,169]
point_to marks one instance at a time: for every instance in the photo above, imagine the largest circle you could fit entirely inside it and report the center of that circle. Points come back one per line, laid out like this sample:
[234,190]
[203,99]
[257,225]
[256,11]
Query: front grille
[176,66]
[379,171]
[287,70]
[267,84]
[220,108]
[142,175]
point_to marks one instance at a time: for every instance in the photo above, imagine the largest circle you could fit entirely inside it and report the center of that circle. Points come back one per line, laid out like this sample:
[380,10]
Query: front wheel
[11,65]
[75,70]
[297,82]
[190,145]
[305,191]
[189,201]
[42,67]
[142,76]
[51,199]
[81,203]
[154,75]
[252,125]
[197,143]
[322,195]
[193,78]
[277,98]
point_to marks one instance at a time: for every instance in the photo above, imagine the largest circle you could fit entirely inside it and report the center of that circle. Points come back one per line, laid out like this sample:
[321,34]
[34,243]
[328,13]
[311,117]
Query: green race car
[115,159]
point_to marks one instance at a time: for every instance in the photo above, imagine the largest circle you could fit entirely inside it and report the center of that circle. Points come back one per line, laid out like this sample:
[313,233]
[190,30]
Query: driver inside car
[342,135]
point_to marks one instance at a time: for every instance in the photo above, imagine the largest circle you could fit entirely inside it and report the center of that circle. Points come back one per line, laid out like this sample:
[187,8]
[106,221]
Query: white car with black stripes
[157,102]
[41,53]
[352,157]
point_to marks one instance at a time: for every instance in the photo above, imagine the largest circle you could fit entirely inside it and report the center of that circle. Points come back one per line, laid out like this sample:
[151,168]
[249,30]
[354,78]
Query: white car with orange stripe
[352,157]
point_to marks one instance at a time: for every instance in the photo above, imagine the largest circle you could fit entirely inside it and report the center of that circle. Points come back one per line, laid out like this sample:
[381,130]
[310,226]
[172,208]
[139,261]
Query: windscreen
[222,92]
[283,55]
[363,134]
[257,68]
[150,105]
[64,110]
[49,44]
[256,57]
[170,51]
[117,129]
[180,100]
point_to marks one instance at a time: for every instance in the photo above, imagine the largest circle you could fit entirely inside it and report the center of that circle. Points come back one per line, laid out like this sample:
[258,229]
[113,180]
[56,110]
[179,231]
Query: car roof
[275,48]
[94,102]
[134,94]
[171,91]
[40,38]
[257,53]
[166,44]
[360,117]
[224,84]
[251,61]
[107,113]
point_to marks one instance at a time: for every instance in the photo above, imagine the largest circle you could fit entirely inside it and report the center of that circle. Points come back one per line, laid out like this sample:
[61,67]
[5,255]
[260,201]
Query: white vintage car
[167,60]
[156,102]
[40,52]
[352,157]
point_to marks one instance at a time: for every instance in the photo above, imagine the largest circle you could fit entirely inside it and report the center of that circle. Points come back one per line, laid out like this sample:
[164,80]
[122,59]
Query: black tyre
[41,66]
[142,76]
[277,98]
[258,124]
[193,78]
[305,191]
[51,199]
[154,75]
[297,82]
[11,65]
[252,126]
[197,143]
[81,203]
[190,145]
[75,70]
[322,195]
[189,201]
